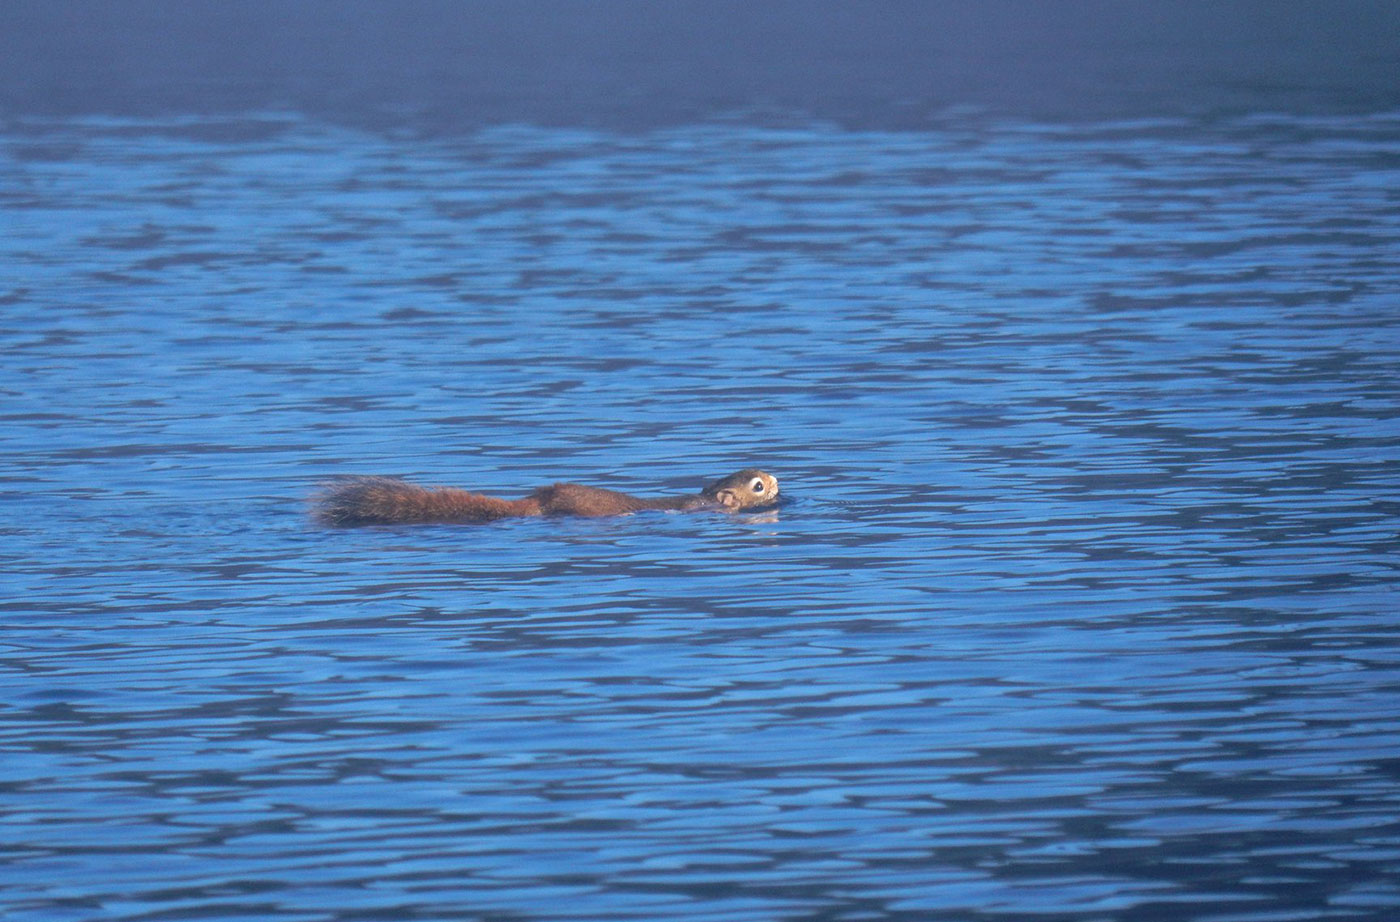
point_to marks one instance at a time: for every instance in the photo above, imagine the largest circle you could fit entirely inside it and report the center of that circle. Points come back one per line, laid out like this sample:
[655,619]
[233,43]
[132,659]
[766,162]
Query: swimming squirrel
[390,501]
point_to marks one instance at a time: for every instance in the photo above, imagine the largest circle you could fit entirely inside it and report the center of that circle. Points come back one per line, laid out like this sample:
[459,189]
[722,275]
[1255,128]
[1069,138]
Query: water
[1081,607]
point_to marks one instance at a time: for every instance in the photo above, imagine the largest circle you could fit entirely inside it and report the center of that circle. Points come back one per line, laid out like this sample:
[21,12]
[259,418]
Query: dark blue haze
[1071,329]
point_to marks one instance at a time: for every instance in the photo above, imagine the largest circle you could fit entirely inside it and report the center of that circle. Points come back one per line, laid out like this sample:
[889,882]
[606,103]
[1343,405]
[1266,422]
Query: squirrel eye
[757,486]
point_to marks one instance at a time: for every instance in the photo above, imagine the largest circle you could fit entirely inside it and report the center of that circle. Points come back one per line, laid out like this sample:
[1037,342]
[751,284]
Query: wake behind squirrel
[390,501]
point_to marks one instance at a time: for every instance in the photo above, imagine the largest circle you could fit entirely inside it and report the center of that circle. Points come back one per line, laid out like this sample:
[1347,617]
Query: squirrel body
[390,501]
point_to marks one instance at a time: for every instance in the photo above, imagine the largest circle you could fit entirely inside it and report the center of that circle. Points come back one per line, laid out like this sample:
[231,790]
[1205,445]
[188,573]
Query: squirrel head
[747,489]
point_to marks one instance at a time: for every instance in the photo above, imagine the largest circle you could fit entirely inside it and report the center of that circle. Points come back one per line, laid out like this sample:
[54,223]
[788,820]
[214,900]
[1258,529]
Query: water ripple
[1081,608]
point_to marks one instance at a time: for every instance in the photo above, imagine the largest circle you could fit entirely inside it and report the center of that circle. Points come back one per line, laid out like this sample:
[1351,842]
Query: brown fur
[389,501]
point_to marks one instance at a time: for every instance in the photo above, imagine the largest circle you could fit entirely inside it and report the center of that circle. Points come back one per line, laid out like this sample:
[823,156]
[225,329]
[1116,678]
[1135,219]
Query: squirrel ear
[727,499]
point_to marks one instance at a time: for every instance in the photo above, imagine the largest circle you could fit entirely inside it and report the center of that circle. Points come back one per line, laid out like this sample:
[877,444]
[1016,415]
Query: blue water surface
[1082,605]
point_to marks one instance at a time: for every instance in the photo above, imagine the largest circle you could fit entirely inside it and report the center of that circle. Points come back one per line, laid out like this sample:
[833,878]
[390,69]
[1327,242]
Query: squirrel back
[390,501]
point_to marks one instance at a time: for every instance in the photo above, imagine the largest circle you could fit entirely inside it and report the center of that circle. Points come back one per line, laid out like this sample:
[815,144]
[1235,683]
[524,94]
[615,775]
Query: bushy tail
[389,501]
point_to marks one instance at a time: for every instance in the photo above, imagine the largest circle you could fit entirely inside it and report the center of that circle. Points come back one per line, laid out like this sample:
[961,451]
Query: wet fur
[390,501]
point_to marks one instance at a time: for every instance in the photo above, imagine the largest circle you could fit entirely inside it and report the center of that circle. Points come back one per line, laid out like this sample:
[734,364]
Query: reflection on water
[1082,606]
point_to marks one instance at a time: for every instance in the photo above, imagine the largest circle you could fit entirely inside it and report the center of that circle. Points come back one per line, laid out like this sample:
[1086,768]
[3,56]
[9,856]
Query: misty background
[438,65]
